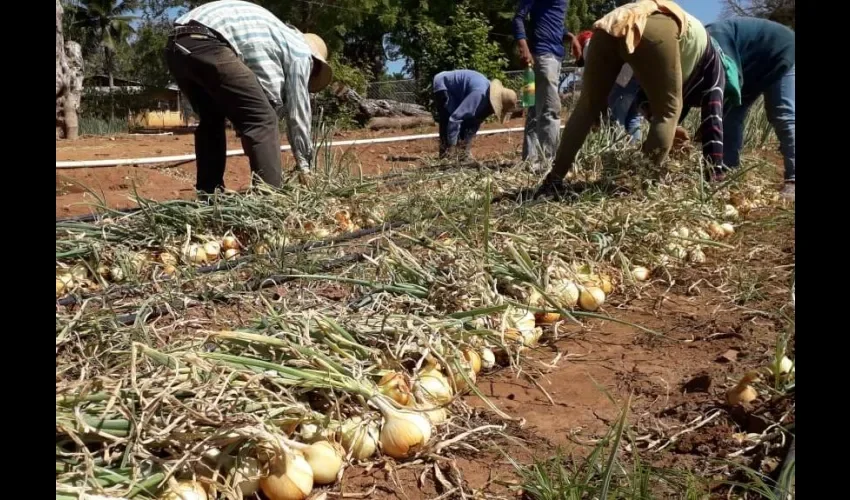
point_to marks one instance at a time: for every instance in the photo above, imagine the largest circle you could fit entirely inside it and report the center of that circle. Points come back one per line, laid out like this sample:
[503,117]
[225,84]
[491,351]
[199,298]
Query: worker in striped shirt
[235,60]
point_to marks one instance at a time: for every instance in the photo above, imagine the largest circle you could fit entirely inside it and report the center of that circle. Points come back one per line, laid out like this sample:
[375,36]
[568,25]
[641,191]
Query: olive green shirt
[692,45]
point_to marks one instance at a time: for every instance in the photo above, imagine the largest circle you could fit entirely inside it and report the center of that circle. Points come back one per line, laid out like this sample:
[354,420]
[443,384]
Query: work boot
[787,191]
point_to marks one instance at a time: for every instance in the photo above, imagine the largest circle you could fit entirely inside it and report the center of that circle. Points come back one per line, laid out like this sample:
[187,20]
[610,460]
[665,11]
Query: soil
[77,189]
[571,392]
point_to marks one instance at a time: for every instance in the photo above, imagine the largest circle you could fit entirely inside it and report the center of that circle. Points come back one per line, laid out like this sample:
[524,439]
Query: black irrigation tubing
[92,217]
[230,264]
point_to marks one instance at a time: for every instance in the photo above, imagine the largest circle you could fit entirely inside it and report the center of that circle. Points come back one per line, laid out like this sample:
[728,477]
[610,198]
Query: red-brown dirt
[164,182]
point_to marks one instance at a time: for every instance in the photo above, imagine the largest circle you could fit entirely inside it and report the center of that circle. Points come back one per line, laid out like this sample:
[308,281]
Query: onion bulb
[730,212]
[743,392]
[231,253]
[311,433]
[534,298]
[360,438]
[103,271]
[460,382]
[677,251]
[519,319]
[564,293]
[696,255]
[185,490]
[212,249]
[546,318]
[79,272]
[488,358]
[60,287]
[325,459]
[230,242]
[195,254]
[435,414]
[591,298]
[116,274]
[474,360]
[433,387]
[246,478]
[728,229]
[640,273]
[395,387]
[404,432]
[701,234]
[716,231]
[786,365]
[261,248]
[290,478]
[168,259]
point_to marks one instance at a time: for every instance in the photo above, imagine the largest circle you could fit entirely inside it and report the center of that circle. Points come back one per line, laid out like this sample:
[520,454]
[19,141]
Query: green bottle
[528,89]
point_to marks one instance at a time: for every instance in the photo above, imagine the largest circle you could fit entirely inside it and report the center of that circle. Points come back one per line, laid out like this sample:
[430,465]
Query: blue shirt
[469,100]
[547,25]
[763,51]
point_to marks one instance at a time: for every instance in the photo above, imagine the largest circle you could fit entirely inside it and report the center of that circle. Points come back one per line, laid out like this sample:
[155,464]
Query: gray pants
[543,120]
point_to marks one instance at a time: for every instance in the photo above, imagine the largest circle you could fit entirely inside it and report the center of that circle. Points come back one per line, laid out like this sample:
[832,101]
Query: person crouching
[464,99]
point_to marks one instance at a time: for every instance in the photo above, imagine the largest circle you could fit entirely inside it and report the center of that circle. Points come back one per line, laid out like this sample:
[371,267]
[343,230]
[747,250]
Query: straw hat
[323,75]
[503,100]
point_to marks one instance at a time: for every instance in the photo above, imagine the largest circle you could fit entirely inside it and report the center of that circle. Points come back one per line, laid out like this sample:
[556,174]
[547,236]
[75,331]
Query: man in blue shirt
[464,99]
[764,53]
[543,47]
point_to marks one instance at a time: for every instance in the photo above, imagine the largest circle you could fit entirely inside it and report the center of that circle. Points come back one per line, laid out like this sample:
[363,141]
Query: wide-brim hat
[323,74]
[503,100]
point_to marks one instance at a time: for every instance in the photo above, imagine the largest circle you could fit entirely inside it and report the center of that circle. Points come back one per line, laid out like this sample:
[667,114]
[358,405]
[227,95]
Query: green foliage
[147,62]
[100,26]
[462,43]
[342,113]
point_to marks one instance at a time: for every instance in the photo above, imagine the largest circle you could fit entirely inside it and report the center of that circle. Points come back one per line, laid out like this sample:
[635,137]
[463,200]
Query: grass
[93,125]
[154,370]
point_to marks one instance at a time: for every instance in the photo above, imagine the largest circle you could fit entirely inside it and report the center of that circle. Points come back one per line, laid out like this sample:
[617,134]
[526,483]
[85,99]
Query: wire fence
[406,90]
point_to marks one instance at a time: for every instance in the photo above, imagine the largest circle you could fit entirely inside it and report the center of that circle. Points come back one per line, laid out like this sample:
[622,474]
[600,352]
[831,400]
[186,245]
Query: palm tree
[104,24]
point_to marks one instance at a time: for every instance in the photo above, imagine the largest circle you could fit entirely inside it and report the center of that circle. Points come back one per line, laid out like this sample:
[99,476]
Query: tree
[147,65]
[780,11]
[106,24]
[69,80]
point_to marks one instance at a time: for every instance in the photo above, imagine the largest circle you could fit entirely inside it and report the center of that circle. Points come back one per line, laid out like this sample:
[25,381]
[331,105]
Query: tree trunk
[69,82]
[380,108]
[401,122]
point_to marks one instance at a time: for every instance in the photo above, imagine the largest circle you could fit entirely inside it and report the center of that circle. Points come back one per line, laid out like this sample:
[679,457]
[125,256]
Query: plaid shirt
[276,52]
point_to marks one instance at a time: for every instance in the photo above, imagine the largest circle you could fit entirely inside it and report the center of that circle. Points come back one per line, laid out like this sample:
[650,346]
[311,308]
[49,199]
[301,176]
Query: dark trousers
[441,101]
[219,86]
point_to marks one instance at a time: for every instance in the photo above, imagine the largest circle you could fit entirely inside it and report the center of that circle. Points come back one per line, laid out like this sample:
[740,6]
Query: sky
[705,10]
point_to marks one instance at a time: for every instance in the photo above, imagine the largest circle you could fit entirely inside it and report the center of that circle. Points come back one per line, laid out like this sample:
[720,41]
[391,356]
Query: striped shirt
[705,89]
[276,52]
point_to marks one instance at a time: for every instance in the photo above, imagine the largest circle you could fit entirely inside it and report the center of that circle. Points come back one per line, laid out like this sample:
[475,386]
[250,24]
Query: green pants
[656,62]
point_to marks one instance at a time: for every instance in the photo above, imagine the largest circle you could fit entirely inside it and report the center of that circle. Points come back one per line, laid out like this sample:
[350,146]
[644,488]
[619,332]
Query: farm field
[453,335]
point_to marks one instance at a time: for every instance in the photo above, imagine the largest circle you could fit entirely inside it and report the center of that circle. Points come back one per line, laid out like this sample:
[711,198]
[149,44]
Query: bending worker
[622,101]
[464,99]
[764,55]
[236,60]
[542,48]
[665,46]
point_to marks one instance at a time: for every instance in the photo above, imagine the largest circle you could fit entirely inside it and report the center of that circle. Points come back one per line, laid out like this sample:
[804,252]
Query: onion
[169,269]
[231,253]
[681,232]
[322,233]
[460,382]
[103,271]
[716,231]
[728,229]
[290,478]
[534,298]
[404,433]
[564,293]
[519,319]
[246,478]
[474,360]
[79,272]
[591,298]
[212,249]
[546,318]
[677,251]
[606,285]
[786,365]
[325,459]
[433,387]
[185,490]
[261,248]
[530,338]
[394,386]
[701,234]
[360,438]
[730,212]
[696,255]
[310,433]
[435,414]
[195,254]
[743,392]
[116,273]
[640,273]
[230,242]
[60,287]
[488,359]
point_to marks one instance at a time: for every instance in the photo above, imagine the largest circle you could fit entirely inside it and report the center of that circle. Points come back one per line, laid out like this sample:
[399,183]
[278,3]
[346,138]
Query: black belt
[192,29]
